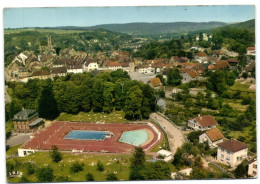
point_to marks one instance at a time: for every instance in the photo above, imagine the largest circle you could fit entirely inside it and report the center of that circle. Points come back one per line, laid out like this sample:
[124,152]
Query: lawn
[13,150]
[235,104]
[115,117]
[241,86]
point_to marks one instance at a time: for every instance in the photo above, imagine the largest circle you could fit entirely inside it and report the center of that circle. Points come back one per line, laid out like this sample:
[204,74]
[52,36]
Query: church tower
[49,43]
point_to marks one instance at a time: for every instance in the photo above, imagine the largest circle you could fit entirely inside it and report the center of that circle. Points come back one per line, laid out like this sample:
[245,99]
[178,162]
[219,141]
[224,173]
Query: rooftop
[233,145]
[206,120]
[25,114]
[214,134]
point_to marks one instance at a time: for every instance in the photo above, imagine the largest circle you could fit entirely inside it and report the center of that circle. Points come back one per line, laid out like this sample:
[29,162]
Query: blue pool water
[86,135]
[135,137]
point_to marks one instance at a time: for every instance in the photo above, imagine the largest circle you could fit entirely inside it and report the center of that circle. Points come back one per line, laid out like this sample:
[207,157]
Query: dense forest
[104,92]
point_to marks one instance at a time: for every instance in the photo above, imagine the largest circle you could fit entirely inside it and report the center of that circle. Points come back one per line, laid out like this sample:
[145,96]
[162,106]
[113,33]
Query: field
[115,117]
[242,85]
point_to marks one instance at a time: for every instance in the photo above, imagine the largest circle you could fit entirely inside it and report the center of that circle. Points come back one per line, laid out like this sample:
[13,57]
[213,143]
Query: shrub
[62,179]
[100,166]
[55,154]
[76,167]
[45,174]
[111,177]
[89,177]
[30,168]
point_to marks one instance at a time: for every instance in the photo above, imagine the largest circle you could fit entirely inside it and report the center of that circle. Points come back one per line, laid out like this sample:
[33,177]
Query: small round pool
[135,137]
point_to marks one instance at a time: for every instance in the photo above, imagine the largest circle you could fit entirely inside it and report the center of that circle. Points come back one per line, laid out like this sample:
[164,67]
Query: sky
[90,16]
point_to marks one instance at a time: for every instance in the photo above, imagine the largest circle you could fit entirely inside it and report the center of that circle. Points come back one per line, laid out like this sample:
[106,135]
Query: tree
[45,174]
[111,177]
[194,135]
[198,163]
[89,177]
[30,168]
[97,96]
[133,103]
[108,97]
[201,36]
[55,154]
[137,164]
[174,77]
[100,166]
[24,179]
[245,75]
[241,170]
[156,171]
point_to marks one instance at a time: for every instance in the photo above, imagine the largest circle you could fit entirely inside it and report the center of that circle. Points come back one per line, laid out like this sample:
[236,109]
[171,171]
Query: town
[98,105]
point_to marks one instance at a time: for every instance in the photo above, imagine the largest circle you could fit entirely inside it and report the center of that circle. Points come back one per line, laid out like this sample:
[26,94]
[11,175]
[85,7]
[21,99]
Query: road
[175,135]
[7,97]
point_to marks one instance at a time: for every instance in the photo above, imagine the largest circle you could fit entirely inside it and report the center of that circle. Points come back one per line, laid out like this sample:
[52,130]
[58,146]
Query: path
[175,135]
[7,97]
[18,139]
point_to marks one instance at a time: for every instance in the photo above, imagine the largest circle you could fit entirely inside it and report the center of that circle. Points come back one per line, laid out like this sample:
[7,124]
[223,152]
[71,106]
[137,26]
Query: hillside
[144,29]
[249,25]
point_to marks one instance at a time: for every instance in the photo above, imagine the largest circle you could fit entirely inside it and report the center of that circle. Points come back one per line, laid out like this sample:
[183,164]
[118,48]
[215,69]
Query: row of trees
[84,92]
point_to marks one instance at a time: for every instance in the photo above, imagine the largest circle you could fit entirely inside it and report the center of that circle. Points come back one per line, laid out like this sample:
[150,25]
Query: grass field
[118,164]
[235,104]
[242,86]
[57,31]
[115,117]
[13,150]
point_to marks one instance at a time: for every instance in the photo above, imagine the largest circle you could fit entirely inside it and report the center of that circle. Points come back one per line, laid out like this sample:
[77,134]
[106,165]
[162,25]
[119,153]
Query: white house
[213,137]
[252,168]
[202,123]
[251,51]
[232,152]
[189,76]
[146,69]
[91,66]
[74,69]
[114,66]
[20,58]
[166,154]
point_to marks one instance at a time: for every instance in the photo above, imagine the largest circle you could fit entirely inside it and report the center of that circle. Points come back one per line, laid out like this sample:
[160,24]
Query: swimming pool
[86,135]
[135,137]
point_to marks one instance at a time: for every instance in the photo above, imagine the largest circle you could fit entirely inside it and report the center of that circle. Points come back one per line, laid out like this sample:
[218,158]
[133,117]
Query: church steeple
[49,43]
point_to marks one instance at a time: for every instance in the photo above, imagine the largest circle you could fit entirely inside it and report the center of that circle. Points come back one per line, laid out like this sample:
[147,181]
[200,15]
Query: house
[114,66]
[189,76]
[167,155]
[212,136]
[59,63]
[233,63]
[200,57]
[204,37]
[59,71]
[202,123]
[252,168]
[217,53]
[26,121]
[91,66]
[155,82]
[42,74]
[145,69]
[125,67]
[232,152]
[222,65]
[75,68]
[251,51]
[250,68]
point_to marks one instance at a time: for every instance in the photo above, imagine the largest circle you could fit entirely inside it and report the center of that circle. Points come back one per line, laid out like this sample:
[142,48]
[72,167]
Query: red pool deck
[54,135]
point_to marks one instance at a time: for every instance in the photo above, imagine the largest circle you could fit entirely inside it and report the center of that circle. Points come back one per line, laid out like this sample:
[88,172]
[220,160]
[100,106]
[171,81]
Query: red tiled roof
[201,54]
[214,134]
[250,48]
[233,145]
[222,64]
[192,73]
[114,64]
[232,60]
[206,120]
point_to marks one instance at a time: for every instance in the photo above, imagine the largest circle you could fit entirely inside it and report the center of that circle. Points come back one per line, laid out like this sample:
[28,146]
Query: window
[222,149]
[228,158]
[228,152]
[254,173]
[222,156]
[254,166]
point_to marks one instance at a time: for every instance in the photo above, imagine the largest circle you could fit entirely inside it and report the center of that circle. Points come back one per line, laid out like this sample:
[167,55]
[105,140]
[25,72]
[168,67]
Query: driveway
[18,139]
[175,135]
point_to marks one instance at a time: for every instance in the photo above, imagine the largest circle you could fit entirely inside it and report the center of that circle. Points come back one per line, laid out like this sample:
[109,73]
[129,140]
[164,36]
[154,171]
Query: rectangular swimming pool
[86,135]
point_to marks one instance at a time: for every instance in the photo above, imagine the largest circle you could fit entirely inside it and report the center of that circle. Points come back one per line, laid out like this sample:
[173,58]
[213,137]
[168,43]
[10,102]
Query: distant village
[47,64]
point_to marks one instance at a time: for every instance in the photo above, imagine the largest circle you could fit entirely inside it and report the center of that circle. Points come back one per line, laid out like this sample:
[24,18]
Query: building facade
[213,137]
[232,152]
[202,123]
[26,121]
